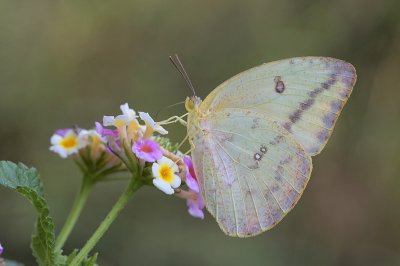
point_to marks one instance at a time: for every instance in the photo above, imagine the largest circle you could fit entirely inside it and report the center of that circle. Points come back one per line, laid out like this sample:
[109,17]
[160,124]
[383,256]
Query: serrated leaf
[27,182]
[86,262]
[91,261]
[13,176]
[72,256]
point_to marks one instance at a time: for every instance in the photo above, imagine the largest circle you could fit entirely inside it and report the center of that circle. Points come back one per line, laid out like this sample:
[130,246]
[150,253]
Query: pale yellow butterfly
[254,135]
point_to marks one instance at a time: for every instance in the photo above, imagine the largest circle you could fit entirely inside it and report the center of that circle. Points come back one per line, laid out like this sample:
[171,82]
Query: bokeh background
[66,63]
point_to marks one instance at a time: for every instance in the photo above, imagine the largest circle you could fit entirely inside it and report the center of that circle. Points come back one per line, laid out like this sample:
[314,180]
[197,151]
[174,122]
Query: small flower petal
[191,180]
[163,186]
[55,139]
[108,120]
[63,154]
[105,132]
[62,132]
[194,209]
[168,161]
[1,249]
[128,111]
[150,123]
[176,182]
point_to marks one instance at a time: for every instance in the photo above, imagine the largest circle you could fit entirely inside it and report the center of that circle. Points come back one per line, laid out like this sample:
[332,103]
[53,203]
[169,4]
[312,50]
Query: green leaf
[72,256]
[14,176]
[86,262]
[91,261]
[27,182]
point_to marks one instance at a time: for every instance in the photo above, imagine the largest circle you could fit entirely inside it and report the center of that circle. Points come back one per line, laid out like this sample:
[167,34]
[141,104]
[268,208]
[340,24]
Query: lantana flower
[94,140]
[1,249]
[90,136]
[66,142]
[151,126]
[195,204]
[164,171]
[126,123]
[105,132]
[147,150]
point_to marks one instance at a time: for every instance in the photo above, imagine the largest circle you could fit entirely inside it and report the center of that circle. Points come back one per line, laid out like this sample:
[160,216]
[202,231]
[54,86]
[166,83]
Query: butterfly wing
[250,170]
[304,95]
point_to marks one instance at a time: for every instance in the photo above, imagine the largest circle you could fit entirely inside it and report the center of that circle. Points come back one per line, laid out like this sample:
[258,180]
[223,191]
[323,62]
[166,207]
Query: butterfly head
[192,103]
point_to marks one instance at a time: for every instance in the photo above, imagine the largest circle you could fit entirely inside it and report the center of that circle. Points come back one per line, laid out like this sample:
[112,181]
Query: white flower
[128,117]
[127,124]
[128,111]
[116,121]
[151,126]
[165,178]
[66,144]
[90,136]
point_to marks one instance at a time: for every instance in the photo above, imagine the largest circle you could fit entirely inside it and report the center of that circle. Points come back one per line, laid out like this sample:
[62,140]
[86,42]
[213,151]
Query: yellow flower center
[166,173]
[68,142]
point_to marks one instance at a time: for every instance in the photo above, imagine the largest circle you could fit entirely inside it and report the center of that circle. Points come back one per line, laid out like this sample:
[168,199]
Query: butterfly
[254,135]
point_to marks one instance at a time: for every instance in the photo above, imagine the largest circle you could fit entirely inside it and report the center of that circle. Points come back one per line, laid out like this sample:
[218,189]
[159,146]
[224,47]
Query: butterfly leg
[174,119]
[183,141]
[192,147]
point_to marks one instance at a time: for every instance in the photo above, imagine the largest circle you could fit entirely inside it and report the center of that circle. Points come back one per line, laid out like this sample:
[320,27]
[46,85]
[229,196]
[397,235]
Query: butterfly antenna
[179,66]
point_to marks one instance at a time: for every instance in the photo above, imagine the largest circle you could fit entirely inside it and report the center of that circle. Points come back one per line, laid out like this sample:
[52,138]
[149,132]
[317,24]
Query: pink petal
[147,150]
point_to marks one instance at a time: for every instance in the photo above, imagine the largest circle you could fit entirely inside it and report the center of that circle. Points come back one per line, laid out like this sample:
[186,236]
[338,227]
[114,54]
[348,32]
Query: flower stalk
[79,203]
[134,184]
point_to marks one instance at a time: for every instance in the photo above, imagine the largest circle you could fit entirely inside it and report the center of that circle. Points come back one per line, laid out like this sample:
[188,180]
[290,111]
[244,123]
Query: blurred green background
[65,63]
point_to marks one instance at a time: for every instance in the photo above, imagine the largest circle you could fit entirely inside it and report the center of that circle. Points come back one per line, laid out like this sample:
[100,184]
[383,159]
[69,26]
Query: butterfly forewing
[250,170]
[304,95]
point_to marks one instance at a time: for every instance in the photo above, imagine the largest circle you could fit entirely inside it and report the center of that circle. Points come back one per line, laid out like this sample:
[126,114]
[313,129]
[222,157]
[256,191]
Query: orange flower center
[166,173]
[146,148]
[68,142]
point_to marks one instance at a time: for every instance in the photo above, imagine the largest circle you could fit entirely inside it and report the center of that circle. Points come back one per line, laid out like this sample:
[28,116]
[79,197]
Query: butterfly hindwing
[251,171]
[304,95]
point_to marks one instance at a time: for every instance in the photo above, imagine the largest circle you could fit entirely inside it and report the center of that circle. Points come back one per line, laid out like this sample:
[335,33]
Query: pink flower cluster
[123,140]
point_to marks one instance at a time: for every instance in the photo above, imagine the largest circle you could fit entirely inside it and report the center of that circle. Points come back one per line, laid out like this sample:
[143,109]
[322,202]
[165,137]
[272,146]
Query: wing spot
[257,156]
[256,123]
[294,117]
[323,135]
[279,85]
[329,119]
[307,104]
[263,149]
[276,140]
[254,167]
[314,93]
[336,105]
[287,126]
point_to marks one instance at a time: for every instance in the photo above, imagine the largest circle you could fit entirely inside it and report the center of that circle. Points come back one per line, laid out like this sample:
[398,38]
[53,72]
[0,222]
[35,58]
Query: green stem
[76,210]
[134,185]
